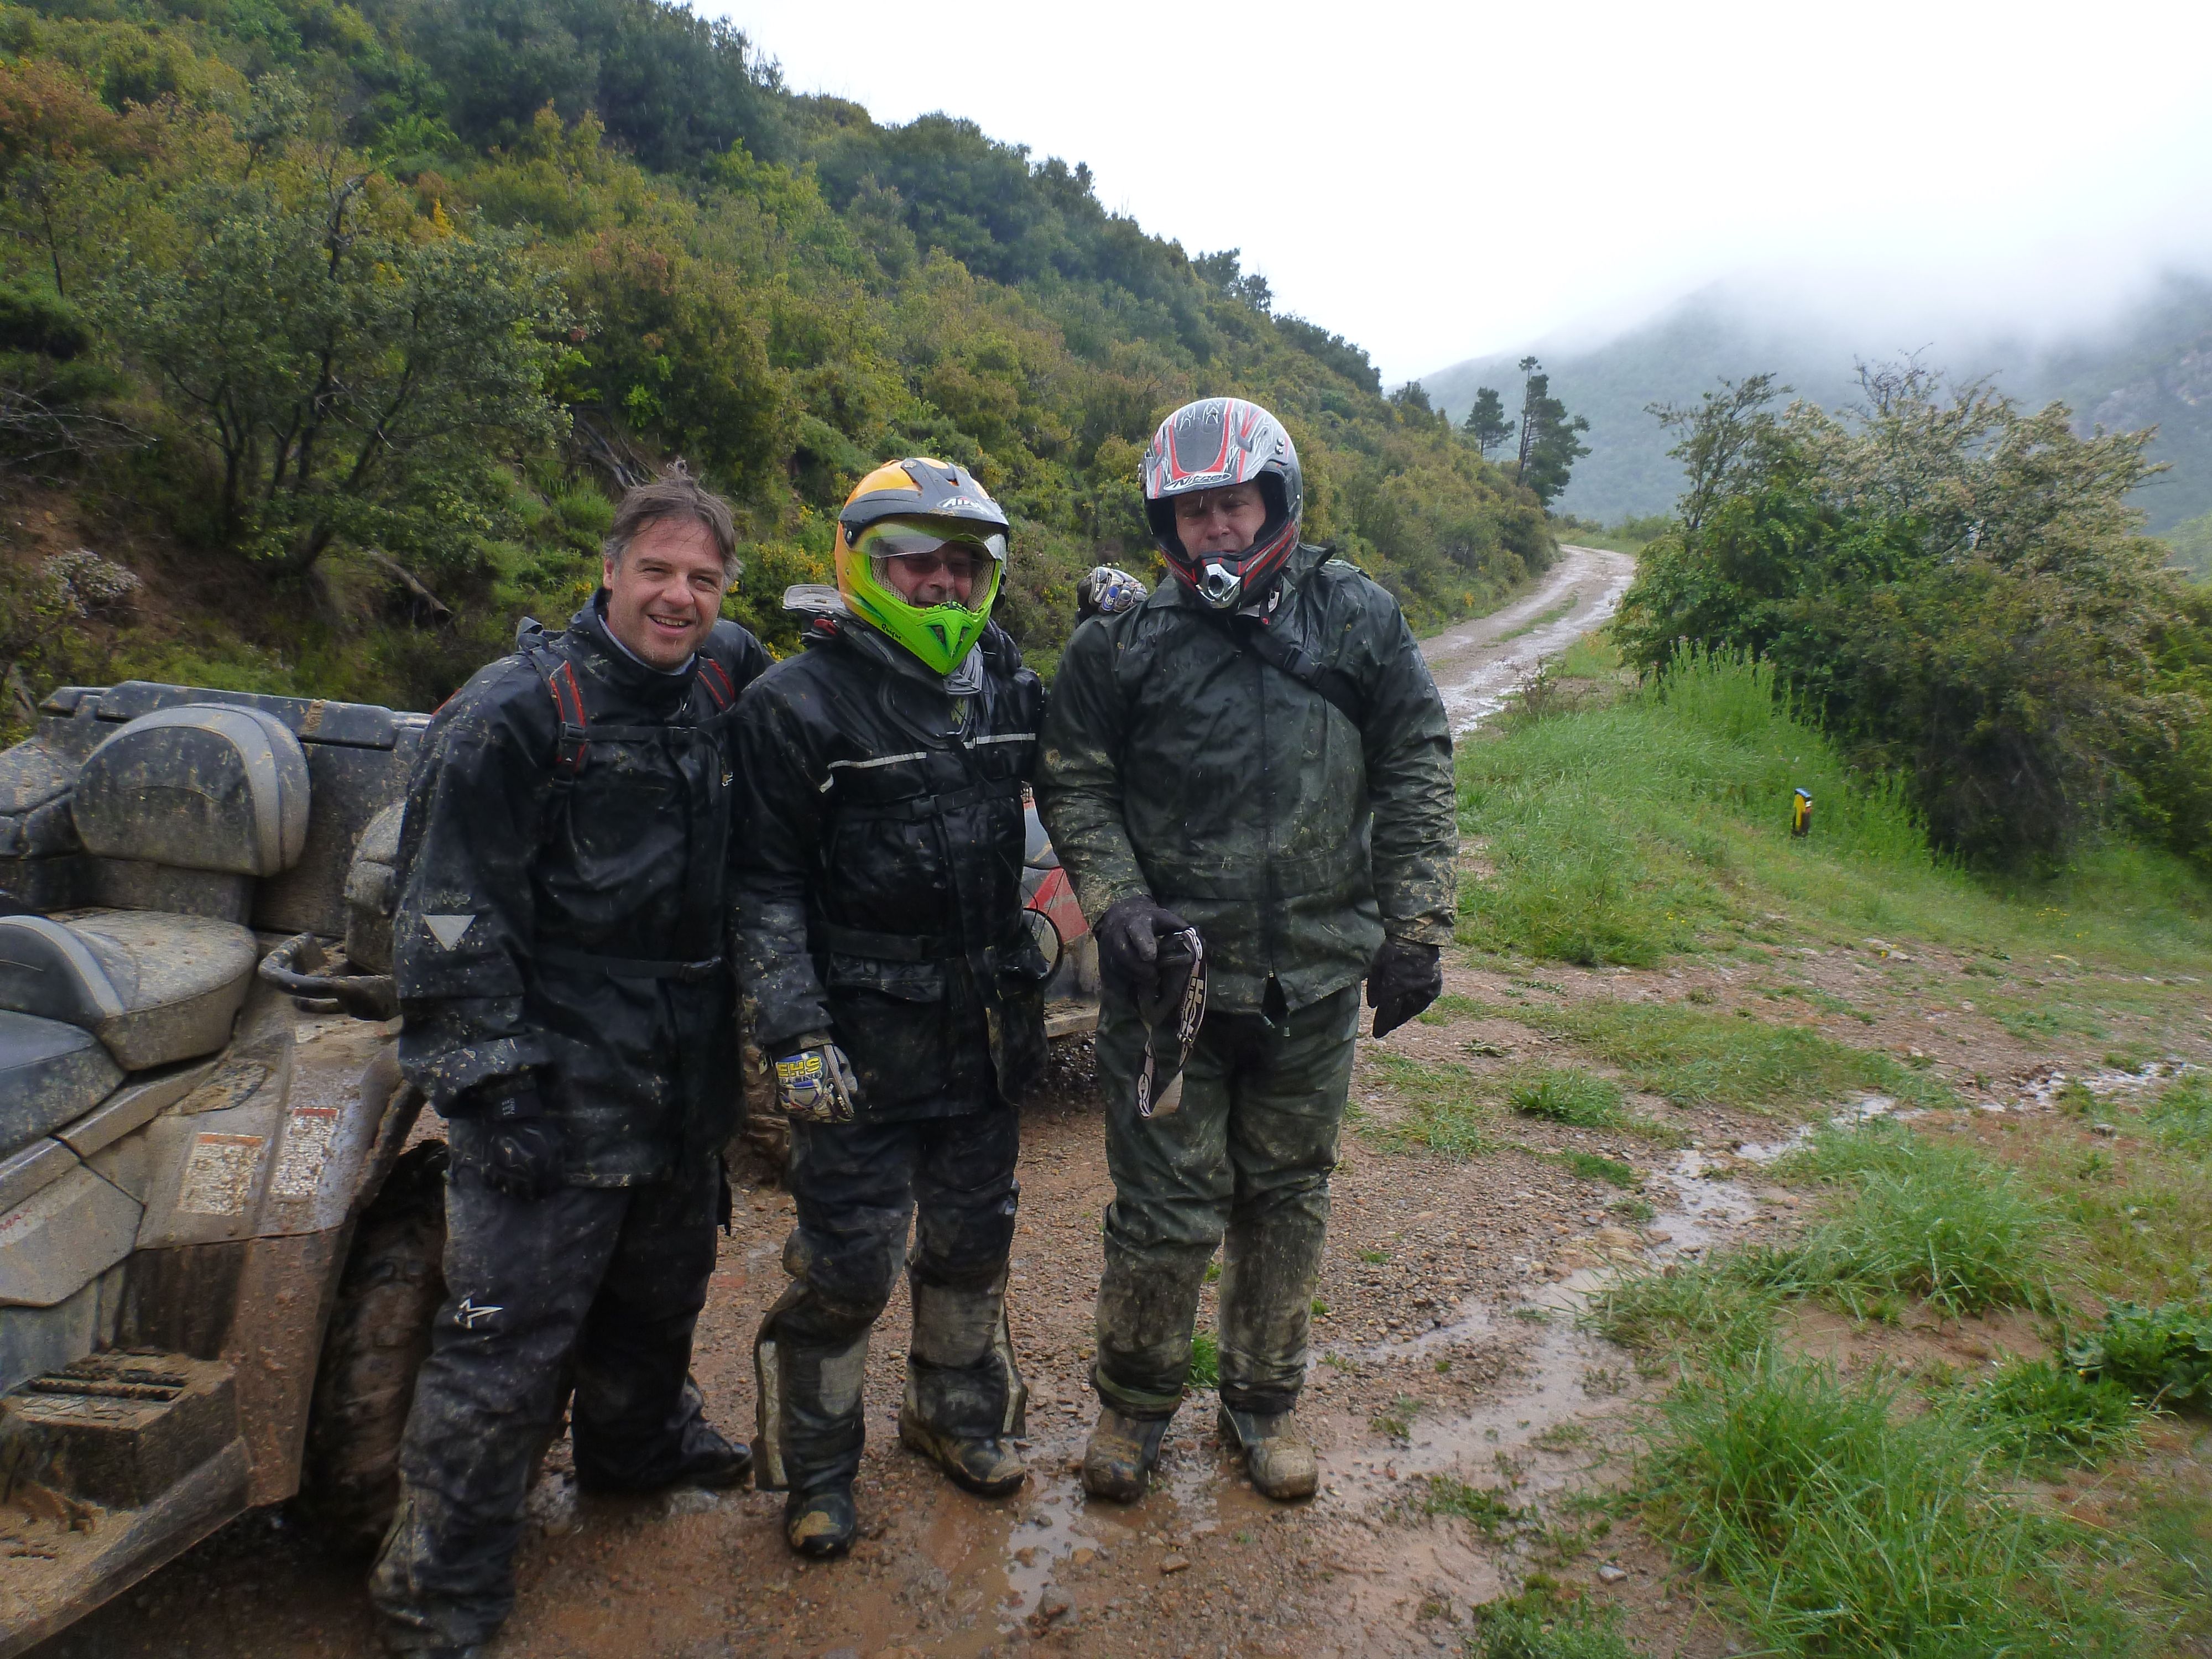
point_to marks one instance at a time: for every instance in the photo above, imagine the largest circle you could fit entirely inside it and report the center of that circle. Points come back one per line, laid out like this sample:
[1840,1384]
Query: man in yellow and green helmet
[893,985]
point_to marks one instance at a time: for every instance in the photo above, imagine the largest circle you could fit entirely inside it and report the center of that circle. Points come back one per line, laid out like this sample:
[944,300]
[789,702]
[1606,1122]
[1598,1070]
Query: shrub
[2161,1354]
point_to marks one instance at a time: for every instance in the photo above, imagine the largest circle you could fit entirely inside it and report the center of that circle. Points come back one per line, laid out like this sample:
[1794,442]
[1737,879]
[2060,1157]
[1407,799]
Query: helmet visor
[925,565]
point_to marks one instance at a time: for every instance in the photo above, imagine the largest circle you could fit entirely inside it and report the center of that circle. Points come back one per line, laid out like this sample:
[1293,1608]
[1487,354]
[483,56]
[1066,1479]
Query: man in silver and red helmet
[1248,777]
[1225,496]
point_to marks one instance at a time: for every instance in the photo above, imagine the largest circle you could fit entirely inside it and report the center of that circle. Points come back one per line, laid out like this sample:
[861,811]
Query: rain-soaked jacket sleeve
[778,830]
[1079,783]
[1407,741]
[462,934]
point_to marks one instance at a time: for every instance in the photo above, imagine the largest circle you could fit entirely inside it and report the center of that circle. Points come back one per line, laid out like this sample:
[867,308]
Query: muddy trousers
[857,1185]
[596,1286]
[1245,1159]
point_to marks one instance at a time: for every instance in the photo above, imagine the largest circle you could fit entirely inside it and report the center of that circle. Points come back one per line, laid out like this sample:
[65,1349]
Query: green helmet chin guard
[933,500]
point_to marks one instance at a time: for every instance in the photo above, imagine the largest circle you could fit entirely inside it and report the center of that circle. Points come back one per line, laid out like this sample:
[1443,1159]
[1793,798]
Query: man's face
[663,597]
[945,576]
[1224,521]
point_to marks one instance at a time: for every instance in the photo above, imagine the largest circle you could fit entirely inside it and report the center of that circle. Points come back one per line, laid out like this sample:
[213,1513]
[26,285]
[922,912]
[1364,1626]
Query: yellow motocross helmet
[920,509]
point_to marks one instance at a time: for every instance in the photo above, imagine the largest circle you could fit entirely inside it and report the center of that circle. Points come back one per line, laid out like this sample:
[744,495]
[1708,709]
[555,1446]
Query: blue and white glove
[1107,592]
[815,1083]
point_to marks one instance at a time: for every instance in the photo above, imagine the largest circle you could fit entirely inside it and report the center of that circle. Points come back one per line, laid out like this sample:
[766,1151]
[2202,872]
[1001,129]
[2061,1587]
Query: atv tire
[393,1285]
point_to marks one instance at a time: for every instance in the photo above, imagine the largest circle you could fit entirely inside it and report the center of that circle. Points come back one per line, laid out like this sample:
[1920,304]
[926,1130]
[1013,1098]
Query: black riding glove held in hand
[1129,935]
[522,1147]
[1404,980]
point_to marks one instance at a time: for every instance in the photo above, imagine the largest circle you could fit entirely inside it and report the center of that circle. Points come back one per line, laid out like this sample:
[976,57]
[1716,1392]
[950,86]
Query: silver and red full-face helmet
[1204,446]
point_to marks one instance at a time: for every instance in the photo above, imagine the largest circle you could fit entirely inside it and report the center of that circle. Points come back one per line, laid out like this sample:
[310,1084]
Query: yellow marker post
[1800,814]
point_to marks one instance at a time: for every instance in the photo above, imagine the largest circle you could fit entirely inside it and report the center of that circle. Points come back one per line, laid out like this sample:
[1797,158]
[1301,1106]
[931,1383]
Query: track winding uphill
[1478,663]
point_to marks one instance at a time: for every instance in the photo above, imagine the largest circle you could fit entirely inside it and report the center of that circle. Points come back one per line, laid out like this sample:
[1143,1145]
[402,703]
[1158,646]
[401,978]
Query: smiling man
[563,962]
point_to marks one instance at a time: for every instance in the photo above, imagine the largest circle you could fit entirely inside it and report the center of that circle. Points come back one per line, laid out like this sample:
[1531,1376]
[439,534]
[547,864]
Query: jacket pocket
[891,1018]
[1018,1051]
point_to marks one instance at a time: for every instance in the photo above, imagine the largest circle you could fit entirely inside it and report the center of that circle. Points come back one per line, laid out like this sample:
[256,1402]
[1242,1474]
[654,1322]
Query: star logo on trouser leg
[470,1316]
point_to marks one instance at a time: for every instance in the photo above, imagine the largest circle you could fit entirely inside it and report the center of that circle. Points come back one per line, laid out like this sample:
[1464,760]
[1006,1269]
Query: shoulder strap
[720,690]
[572,742]
[1279,653]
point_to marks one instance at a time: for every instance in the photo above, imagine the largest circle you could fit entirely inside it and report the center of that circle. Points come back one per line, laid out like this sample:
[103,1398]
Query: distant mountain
[2152,366]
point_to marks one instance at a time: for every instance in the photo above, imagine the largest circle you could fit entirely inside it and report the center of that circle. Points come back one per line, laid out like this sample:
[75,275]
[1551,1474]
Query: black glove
[522,1151]
[1404,980]
[1129,935]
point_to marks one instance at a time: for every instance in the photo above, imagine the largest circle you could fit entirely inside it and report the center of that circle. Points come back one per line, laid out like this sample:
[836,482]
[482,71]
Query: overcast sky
[1439,181]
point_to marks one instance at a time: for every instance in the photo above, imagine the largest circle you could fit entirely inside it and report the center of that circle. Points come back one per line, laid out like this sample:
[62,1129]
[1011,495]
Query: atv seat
[51,1073]
[182,810]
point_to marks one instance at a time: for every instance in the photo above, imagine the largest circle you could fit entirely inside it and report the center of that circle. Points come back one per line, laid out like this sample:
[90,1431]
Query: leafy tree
[345,361]
[1486,420]
[1950,583]
[1549,438]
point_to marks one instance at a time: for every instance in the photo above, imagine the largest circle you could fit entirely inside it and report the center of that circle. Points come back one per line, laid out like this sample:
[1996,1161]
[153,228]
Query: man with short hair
[560,949]
[1248,779]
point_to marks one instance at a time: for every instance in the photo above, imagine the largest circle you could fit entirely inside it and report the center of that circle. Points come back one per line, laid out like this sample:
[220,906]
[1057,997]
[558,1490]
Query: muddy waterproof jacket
[879,874]
[1295,825]
[564,906]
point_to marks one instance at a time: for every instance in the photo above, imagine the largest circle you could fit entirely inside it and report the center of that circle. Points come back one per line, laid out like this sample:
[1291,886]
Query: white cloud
[1437,180]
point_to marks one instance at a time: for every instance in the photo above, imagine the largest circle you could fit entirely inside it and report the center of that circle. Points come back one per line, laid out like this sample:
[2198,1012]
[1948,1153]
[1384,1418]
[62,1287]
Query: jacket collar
[615,665]
[1304,558]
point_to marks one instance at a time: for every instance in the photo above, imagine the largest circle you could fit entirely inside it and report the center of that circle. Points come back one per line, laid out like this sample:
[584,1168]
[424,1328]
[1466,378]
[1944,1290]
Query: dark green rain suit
[1296,835]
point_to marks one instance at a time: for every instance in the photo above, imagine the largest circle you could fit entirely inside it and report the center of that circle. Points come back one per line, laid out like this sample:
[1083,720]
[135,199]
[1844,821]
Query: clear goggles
[925,549]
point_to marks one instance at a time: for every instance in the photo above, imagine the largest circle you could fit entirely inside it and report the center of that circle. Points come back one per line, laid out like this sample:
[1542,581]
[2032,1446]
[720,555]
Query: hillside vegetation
[328,332]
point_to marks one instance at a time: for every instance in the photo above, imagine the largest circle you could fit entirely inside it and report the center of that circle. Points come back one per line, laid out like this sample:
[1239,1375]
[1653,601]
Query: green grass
[1446,1107]
[2162,1354]
[1592,1167]
[1918,1221]
[1205,1360]
[1845,1523]
[1708,1313]
[2181,1114]
[1690,1057]
[1659,824]
[1535,1627]
[2037,1410]
[1576,1098]
[1487,1511]
[1544,621]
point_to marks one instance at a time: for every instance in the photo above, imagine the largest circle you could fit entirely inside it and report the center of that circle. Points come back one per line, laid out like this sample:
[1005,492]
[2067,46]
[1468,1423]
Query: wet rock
[1611,1574]
[689,1500]
[1173,1564]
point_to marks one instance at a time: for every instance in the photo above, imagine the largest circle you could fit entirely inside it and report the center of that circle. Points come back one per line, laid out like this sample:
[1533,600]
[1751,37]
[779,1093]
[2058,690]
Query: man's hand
[1404,980]
[815,1082]
[522,1151]
[1106,592]
[1129,954]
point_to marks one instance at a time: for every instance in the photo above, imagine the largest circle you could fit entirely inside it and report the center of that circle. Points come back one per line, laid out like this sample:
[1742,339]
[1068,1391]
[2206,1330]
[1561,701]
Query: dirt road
[1478,663]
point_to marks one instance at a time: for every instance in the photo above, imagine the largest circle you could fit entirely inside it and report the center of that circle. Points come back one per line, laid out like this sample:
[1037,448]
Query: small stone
[689,1500]
[1611,1574]
[1053,1606]
[1026,1555]
[2104,1129]
[1174,1564]
[1082,1557]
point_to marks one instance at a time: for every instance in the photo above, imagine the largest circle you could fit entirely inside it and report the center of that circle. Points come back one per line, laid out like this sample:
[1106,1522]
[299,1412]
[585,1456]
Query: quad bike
[219,1256]
[219,1250]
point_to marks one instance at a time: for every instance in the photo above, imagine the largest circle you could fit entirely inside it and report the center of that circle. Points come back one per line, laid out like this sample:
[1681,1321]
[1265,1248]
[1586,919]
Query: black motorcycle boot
[820,1525]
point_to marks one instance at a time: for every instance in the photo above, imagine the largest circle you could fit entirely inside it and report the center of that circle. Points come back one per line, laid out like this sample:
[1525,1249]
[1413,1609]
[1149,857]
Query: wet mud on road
[1477,664]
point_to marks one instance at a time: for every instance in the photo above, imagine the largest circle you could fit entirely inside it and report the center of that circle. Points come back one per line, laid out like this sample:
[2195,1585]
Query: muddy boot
[965,1400]
[1118,1462]
[985,1464]
[820,1525]
[1277,1454]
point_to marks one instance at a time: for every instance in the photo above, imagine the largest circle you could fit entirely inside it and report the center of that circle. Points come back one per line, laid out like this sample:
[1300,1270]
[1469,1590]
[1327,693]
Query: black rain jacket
[576,926]
[879,866]
[1293,834]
